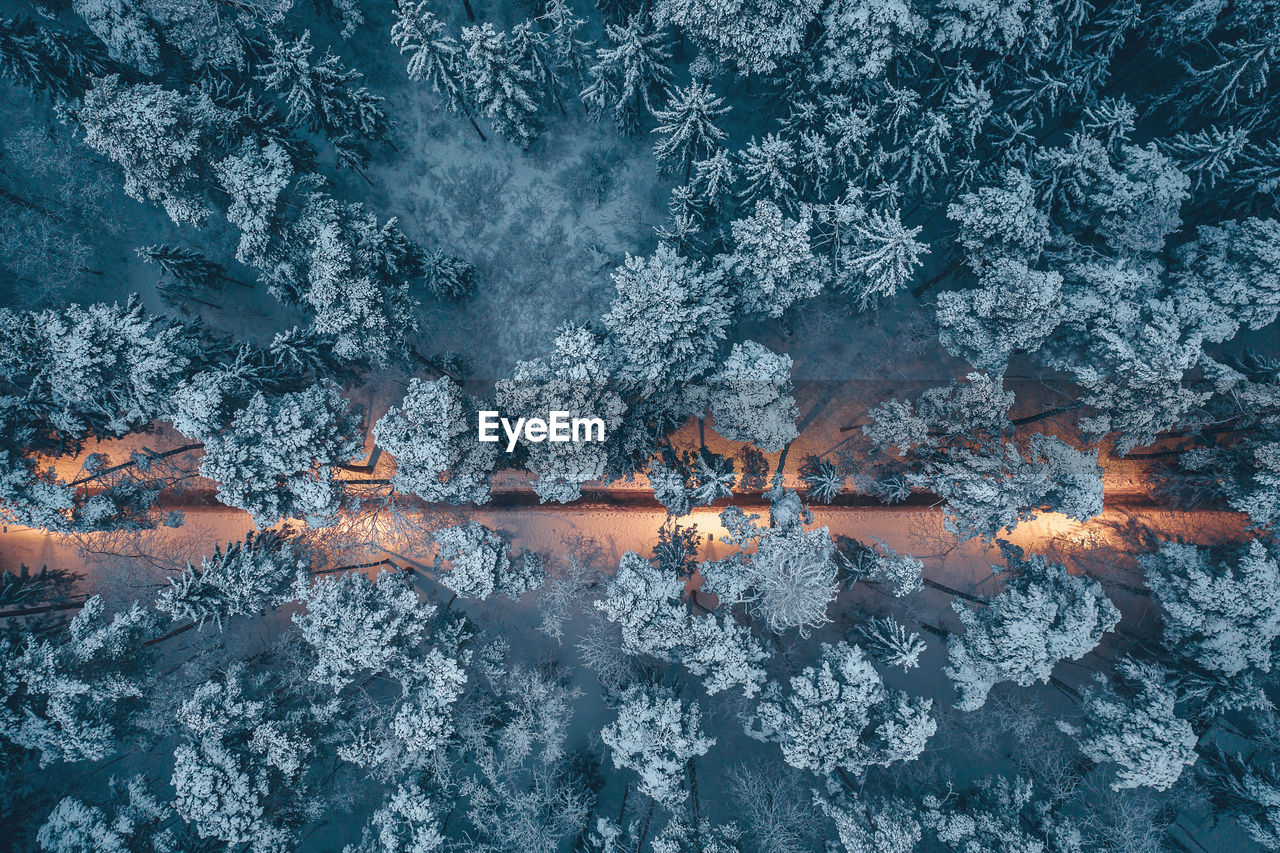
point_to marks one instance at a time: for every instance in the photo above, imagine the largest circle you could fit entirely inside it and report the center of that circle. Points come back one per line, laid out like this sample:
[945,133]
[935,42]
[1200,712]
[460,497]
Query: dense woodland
[263,262]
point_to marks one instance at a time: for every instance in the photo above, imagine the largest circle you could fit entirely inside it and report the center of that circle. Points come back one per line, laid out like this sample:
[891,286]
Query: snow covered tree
[788,581]
[66,696]
[480,564]
[709,476]
[724,654]
[888,642]
[646,604]
[839,716]
[975,410]
[1224,615]
[186,265]
[575,379]
[1014,309]
[666,321]
[275,458]
[126,29]
[501,89]
[434,58]
[862,38]
[879,258]
[688,128]
[354,274]
[998,815]
[136,822]
[1132,723]
[243,580]
[751,397]
[982,24]
[99,371]
[432,434]
[1043,615]
[1229,277]
[1248,791]
[823,479]
[886,827]
[1207,155]
[681,836]
[407,822]
[44,59]
[767,170]
[754,35]
[773,263]
[995,489]
[254,178]
[355,625]
[237,771]
[322,95]
[656,735]
[157,137]
[447,275]
[629,74]
[879,562]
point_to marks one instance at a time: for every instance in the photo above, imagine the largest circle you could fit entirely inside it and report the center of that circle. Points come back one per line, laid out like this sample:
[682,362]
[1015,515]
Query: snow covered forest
[935,347]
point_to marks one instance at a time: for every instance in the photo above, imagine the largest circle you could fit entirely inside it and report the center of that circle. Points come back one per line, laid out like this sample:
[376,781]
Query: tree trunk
[1048,413]
[132,463]
[644,831]
[950,591]
[471,15]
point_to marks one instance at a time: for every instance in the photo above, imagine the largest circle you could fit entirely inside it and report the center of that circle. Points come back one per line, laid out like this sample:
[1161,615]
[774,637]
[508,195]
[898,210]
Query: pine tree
[137,821]
[767,171]
[879,258]
[354,274]
[630,73]
[480,564]
[656,735]
[823,479]
[355,625]
[754,35]
[322,95]
[789,580]
[126,29]
[1222,615]
[238,770]
[864,37]
[724,654]
[667,320]
[1132,723]
[255,179]
[838,716]
[44,59]
[185,265]
[243,580]
[434,57]
[688,128]
[275,458]
[1043,615]
[500,88]
[156,136]
[574,379]
[1207,155]
[751,400]
[67,696]
[773,261]
[646,604]
[432,434]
